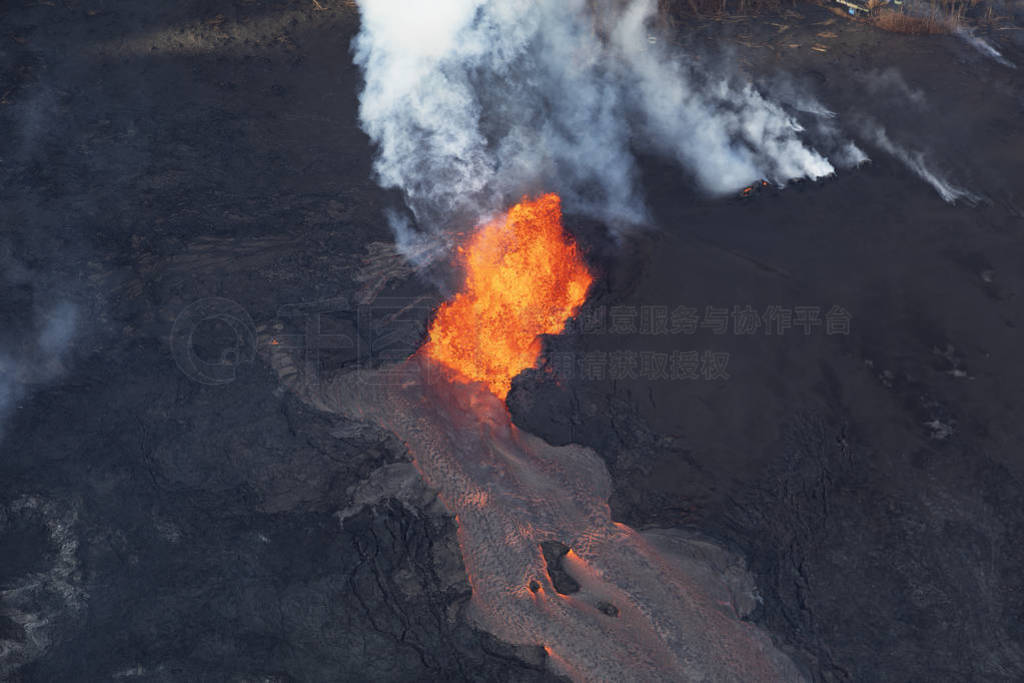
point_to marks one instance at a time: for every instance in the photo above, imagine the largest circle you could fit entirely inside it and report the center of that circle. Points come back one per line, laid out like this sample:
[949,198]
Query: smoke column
[473,103]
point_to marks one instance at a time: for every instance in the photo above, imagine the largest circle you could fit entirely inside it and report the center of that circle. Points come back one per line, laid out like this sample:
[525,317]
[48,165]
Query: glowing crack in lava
[523,278]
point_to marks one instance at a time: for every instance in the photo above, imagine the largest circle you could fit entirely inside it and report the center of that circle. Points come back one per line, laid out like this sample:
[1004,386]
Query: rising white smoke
[475,102]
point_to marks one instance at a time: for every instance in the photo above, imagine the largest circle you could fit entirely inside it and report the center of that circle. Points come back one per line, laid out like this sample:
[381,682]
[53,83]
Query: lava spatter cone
[524,277]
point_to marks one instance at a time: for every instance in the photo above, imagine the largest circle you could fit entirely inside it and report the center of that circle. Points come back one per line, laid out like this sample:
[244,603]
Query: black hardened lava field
[511,340]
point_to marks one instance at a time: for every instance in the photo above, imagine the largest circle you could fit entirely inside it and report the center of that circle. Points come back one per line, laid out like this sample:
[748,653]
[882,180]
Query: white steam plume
[474,102]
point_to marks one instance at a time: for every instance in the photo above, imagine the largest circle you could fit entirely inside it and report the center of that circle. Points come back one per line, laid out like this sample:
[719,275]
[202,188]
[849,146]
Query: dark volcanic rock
[159,524]
[560,579]
[873,480]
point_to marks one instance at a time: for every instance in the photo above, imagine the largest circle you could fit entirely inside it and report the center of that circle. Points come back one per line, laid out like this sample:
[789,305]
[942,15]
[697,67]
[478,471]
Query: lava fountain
[523,278]
[641,613]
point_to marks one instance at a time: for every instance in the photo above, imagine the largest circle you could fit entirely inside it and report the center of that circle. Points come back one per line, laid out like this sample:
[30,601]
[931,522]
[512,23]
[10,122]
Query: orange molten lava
[524,277]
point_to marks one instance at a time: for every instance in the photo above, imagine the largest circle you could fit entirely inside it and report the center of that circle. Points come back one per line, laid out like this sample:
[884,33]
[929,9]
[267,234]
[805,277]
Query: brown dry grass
[897,21]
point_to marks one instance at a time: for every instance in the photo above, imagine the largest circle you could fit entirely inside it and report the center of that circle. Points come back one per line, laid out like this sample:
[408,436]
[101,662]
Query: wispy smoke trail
[38,360]
[475,102]
[983,46]
[889,82]
[915,161]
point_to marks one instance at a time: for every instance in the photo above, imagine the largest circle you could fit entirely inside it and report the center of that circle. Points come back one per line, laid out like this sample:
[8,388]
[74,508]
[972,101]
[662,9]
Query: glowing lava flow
[643,612]
[524,277]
